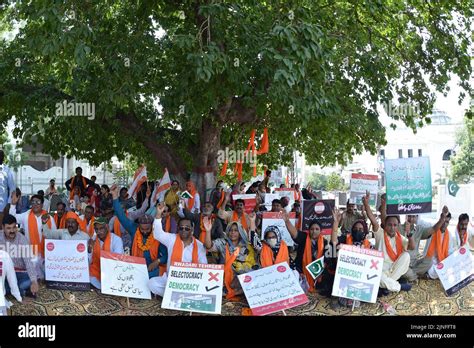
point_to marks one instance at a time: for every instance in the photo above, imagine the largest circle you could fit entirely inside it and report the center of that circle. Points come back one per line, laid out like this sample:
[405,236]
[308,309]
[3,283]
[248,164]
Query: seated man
[143,243]
[349,217]
[114,224]
[105,240]
[182,247]
[197,220]
[31,223]
[71,232]
[419,264]
[238,214]
[444,243]
[24,267]
[8,272]
[394,247]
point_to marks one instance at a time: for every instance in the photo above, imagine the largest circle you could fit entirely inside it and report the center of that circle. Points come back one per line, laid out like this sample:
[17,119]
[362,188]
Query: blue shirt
[7,186]
[131,228]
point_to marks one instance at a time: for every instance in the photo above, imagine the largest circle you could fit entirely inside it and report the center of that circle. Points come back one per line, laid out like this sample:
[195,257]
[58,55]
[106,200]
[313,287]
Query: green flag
[453,188]
[186,194]
[316,267]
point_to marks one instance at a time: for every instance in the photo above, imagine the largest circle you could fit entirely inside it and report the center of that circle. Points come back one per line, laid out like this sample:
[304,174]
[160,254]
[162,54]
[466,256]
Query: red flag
[224,168]
[264,146]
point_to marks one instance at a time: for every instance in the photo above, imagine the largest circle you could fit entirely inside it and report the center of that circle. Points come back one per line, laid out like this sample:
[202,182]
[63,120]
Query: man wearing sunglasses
[182,247]
[33,227]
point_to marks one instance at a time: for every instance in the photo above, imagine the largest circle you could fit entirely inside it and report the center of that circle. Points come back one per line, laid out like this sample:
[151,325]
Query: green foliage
[312,72]
[463,163]
[335,183]
[317,181]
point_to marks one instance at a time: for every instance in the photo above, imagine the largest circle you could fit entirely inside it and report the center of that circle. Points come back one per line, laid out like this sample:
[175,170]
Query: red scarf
[388,246]
[308,258]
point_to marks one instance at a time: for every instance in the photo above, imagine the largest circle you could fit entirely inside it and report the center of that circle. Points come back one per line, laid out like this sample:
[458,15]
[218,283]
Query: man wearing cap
[143,243]
[104,240]
[349,217]
[71,232]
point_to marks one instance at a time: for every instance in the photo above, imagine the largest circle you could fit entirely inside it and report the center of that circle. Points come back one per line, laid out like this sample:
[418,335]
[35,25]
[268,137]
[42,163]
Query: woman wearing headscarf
[357,237]
[172,198]
[274,248]
[311,246]
[235,251]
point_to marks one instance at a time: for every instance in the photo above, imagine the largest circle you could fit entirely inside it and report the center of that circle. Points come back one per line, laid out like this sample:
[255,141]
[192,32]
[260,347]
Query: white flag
[138,179]
[159,191]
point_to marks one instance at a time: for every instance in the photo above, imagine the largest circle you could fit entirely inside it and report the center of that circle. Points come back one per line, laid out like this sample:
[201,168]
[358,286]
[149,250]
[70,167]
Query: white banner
[358,273]
[456,271]
[194,287]
[67,264]
[123,275]
[272,289]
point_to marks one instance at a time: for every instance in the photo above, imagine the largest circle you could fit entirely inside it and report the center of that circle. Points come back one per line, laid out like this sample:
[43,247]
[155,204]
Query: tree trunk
[205,165]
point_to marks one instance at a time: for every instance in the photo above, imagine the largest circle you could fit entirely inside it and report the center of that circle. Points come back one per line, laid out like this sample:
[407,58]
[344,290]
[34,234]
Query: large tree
[175,81]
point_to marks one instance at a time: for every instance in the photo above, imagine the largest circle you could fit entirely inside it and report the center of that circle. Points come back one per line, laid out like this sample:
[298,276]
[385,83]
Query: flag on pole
[139,178]
[160,189]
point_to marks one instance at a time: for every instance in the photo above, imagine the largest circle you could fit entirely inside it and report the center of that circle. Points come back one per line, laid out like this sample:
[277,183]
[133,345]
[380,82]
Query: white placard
[358,273]
[274,219]
[360,184]
[456,271]
[123,275]
[272,289]
[194,287]
[67,264]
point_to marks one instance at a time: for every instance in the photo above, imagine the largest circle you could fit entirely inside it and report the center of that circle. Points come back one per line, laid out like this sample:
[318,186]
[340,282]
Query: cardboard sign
[274,219]
[250,201]
[360,183]
[194,287]
[318,210]
[67,264]
[269,197]
[286,192]
[123,275]
[358,273]
[408,185]
[316,267]
[456,271]
[272,289]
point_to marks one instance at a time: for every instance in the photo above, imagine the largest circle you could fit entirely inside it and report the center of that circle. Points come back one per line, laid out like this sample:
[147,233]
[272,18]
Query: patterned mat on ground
[426,298]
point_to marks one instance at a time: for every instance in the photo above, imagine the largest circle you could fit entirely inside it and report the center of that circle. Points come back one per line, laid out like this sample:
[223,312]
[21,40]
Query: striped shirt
[20,252]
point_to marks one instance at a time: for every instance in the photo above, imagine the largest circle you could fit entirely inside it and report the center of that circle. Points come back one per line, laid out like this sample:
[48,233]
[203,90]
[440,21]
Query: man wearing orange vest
[444,242]
[33,227]
[104,240]
[238,214]
[197,220]
[394,247]
[78,181]
[182,247]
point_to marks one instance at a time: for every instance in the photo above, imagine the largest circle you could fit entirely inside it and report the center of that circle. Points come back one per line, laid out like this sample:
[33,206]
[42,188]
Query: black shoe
[403,280]
[405,287]
[383,292]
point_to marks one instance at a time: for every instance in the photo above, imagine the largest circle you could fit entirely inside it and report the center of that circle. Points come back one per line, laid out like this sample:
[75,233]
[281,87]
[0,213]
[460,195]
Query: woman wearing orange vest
[274,249]
[236,253]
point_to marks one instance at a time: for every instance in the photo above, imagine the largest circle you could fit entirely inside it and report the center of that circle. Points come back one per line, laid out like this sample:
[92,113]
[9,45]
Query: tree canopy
[463,163]
[173,82]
